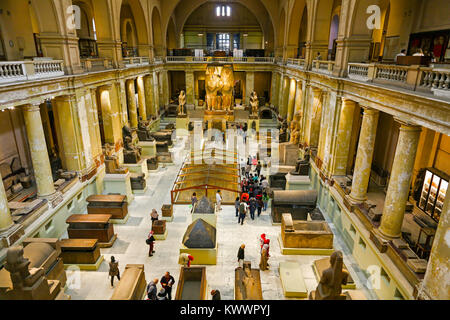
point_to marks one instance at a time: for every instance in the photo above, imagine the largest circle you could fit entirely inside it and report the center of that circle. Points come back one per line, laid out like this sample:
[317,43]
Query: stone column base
[11,235]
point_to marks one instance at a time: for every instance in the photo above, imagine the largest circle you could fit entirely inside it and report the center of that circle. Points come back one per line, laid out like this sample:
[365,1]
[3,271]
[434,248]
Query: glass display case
[433,193]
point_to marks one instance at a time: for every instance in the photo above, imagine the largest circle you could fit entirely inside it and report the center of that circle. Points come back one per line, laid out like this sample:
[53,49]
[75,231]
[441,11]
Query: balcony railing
[12,71]
[296,63]
[96,64]
[190,59]
[322,66]
[415,78]
[136,61]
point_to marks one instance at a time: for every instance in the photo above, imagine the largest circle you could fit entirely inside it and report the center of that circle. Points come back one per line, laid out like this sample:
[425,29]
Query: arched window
[223,11]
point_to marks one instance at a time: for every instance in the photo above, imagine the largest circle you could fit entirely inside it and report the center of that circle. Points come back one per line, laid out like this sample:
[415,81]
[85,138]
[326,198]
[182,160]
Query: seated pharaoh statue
[295,129]
[302,165]
[182,103]
[28,283]
[331,281]
[143,131]
[131,153]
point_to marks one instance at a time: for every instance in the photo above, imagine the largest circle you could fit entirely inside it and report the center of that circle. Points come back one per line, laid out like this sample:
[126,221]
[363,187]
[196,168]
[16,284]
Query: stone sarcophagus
[92,226]
[277,181]
[115,205]
[305,234]
[192,284]
[162,147]
[80,251]
[247,283]
[132,284]
[42,253]
[163,136]
[296,202]
[167,210]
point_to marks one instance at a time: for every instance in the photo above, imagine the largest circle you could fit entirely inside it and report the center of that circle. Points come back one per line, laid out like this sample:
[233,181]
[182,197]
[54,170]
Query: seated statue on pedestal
[254,103]
[295,129]
[302,165]
[332,279]
[143,131]
[131,153]
[182,103]
[112,161]
[138,181]
[28,284]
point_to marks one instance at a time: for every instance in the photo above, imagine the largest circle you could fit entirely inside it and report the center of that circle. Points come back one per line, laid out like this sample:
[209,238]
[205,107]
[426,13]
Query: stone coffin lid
[37,253]
[295,197]
[204,206]
[200,234]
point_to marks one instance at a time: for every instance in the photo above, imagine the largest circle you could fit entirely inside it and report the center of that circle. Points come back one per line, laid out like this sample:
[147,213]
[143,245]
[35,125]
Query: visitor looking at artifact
[114,270]
[241,255]
[151,289]
[167,282]
[150,241]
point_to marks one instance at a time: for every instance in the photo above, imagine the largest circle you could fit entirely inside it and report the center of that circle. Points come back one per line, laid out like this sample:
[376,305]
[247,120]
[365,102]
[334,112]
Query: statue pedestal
[139,168]
[148,148]
[288,153]
[118,183]
[250,122]
[182,126]
[297,182]
[201,256]
[292,280]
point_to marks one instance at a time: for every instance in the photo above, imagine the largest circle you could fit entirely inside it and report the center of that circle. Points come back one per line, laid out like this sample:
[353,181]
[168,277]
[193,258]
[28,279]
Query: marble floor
[130,247]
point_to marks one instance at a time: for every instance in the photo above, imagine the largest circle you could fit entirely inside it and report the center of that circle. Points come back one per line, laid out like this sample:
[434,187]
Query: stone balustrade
[323,66]
[424,79]
[190,59]
[96,64]
[296,63]
[136,61]
[13,71]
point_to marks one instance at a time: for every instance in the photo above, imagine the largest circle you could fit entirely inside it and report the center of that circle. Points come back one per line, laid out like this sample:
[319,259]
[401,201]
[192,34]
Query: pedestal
[148,148]
[161,236]
[303,251]
[250,122]
[139,168]
[182,126]
[297,182]
[201,255]
[118,183]
[292,280]
[140,191]
[288,153]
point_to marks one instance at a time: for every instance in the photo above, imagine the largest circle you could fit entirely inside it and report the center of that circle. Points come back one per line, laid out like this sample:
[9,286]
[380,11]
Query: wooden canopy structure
[206,172]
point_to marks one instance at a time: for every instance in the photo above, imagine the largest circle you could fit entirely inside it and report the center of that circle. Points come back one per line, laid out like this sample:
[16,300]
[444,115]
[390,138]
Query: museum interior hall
[224,149]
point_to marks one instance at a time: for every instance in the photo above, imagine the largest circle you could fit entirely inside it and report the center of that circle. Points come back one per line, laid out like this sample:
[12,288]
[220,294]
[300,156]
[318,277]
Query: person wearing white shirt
[401,54]
[419,53]
[218,200]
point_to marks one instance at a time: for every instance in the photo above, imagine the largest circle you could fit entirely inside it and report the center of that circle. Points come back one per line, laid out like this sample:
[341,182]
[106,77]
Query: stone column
[364,155]
[249,86]
[141,98]
[291,99]
[284,96]
[6,220]
[38,150]
[435,284]
[298,96]
[64,119]
[165,85]
[344,135]
[315,115]
[190,96]
[400,181]
[149,95]
[132,109]
[123,102]
[274,89]
[156,92]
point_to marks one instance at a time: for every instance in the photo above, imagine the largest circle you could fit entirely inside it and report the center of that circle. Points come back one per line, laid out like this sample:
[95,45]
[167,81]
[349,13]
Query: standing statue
[254,103]
[330,285]
[295,129]
[181,103]
[227,89]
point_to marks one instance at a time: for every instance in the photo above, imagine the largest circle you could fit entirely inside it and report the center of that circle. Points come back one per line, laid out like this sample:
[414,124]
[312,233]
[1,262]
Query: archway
[171,38]
[157,33]
[280,33]
[87,34]
[334,28]
[133,29]
[297,27]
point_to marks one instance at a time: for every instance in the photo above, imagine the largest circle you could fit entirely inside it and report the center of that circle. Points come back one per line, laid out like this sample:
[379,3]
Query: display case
[433,193]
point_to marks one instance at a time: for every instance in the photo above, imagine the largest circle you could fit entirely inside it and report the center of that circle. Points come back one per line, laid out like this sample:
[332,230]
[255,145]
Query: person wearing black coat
[241,255]
[252,207]
[215,295]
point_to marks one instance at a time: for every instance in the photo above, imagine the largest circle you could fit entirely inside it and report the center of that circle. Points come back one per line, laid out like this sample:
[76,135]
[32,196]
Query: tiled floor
[130,247]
